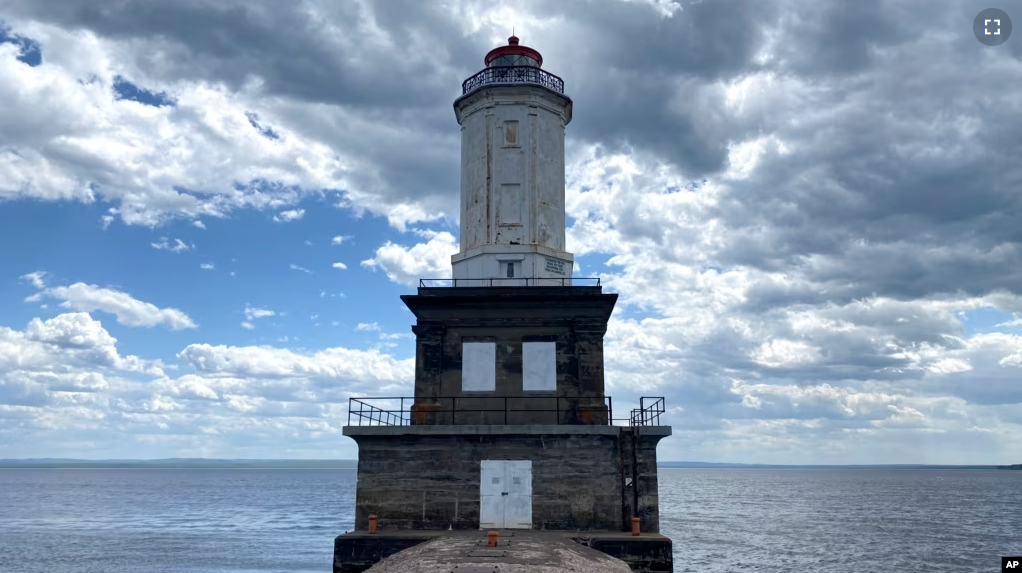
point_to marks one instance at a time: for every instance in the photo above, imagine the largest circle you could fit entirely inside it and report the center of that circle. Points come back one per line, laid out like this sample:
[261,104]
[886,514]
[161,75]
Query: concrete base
[427,477]
[357,551]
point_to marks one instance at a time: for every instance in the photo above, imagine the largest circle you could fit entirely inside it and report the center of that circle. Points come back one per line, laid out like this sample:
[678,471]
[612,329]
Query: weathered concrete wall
[641,494]
[432,481]
[509,317]
[512,178]
[419,477]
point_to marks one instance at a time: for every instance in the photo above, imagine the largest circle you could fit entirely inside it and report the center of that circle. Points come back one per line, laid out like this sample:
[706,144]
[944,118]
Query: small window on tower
[511,133]
[510,270]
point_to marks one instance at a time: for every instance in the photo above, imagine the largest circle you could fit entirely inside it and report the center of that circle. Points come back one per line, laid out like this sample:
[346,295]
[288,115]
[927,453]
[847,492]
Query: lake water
[284,520]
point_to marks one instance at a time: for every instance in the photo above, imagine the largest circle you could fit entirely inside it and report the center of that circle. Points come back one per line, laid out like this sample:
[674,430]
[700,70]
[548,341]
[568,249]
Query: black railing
[523,281]
[513,75]
[499,410]
[648,415]
[480,410]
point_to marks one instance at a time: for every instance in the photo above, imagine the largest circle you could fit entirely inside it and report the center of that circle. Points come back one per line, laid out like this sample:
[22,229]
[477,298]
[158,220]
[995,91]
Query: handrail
[570,410]
[512,75]
[361,412]
[504,282]
[648,415]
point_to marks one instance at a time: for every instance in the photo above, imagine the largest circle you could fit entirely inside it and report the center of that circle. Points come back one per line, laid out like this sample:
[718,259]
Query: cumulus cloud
[288,216]
[340,239]
[333,374]
[340,266]
[300,268]
[207,266]
[368,326]
[128,310]
[70,352]
[406,265]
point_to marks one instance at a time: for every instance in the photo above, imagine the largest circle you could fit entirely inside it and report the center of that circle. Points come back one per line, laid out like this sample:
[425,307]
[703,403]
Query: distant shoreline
[202,463]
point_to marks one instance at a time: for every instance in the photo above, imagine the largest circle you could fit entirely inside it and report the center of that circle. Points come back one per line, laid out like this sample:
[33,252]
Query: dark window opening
[510,270]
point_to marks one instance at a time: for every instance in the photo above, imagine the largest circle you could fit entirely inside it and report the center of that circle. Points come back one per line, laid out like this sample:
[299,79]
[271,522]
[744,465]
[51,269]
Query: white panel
[492,475]
[478,366]
[539,366]
[518,504]
[509,204]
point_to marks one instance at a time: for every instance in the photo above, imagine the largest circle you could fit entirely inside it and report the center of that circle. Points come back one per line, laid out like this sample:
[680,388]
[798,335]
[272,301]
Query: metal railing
[480,410]
[523,281]
[648,415]
[513,75]
[499,410]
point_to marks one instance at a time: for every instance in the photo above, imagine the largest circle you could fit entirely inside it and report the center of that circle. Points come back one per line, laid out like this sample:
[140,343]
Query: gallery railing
[482,410]
[498,410]
[513,75]
[648,415]
[523,281]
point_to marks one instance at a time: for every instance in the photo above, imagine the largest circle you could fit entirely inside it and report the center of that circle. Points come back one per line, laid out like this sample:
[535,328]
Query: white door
[518,501]
[505,492]
[491,494]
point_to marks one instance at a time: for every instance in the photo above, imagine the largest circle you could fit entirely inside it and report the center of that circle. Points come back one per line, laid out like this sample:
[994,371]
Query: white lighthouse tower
[512,115]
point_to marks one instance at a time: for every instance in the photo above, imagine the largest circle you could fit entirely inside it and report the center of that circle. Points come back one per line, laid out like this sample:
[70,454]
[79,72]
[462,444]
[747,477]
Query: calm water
[240,520]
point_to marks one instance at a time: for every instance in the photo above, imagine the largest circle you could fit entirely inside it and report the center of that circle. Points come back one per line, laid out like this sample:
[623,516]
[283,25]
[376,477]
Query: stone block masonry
[427,477]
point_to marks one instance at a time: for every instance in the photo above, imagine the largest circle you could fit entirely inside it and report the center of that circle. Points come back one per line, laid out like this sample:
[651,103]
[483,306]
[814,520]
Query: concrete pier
[414,551]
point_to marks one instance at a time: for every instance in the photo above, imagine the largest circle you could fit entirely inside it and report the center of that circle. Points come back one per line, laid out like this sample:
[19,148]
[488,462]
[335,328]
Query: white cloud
[36,279]
[340,239]
[247,325]
[252,313]
[430,260]
[199,224]
[340,266]
[1015,321]
[331,367]
[176,247]
[288,216]
[206,266]
[368,326]
[295,267]
[128,310]
[69,352]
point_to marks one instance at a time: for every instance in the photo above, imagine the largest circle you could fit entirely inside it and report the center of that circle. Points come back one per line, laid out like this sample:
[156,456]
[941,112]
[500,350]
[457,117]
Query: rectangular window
[539,366]
[478,366]
[510,134]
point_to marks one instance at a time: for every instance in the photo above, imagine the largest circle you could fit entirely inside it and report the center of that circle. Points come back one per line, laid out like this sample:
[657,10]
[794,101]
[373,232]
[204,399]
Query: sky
[811,211]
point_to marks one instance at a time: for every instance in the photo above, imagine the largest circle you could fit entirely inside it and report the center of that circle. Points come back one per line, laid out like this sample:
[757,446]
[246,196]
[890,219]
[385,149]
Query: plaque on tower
[554,265]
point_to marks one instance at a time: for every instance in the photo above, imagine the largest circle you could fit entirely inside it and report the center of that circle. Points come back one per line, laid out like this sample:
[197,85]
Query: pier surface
[518,551]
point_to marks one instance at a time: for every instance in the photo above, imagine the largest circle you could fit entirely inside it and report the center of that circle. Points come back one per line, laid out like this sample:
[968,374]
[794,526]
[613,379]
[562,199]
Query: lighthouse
[513,116]
[509,427]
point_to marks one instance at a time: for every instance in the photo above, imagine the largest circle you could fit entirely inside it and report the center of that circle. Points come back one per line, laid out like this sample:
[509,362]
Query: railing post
[505,410]
[610,410]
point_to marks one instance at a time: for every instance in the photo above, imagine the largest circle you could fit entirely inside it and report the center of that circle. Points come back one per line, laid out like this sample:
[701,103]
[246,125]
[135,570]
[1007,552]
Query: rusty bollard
[635,526]
[491,538]
[373,520]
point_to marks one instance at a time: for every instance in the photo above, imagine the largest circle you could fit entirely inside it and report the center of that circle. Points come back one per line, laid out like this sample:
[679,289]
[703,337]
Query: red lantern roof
[513,49]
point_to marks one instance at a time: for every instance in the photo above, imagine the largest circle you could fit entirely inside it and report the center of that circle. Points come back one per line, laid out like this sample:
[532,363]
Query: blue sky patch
[125,90]
[31,53]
